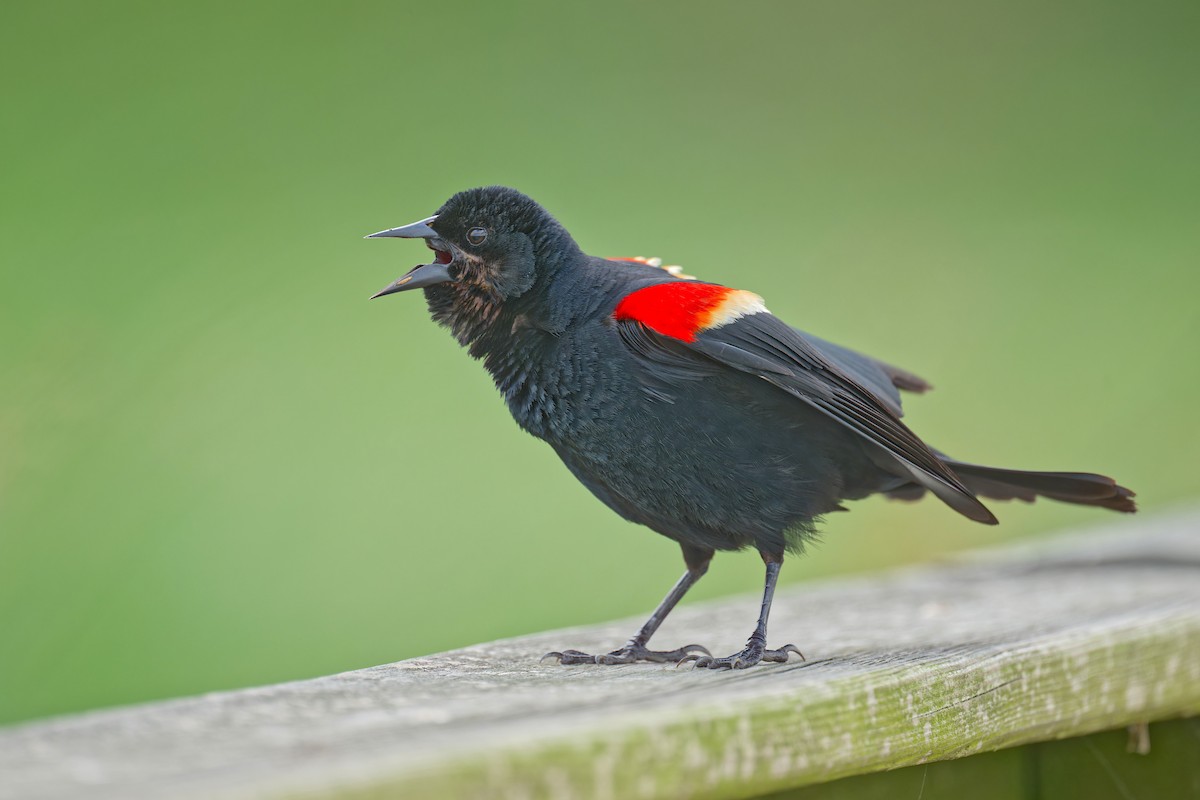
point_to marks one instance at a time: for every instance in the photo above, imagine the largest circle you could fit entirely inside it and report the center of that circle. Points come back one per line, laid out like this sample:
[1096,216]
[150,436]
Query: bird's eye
[477,235]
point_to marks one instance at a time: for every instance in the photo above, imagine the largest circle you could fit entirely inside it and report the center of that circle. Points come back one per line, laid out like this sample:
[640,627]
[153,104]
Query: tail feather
[1082,488]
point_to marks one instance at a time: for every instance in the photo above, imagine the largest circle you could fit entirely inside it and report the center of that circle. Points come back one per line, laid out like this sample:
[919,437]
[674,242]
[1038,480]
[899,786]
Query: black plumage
[688,409]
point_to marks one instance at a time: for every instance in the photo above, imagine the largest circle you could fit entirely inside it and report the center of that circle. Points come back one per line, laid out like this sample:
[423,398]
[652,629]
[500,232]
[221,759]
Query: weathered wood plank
[1089,632]
[1099,766]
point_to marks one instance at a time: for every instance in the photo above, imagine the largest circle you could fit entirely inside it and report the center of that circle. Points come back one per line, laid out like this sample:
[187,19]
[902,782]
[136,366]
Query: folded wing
[711,326]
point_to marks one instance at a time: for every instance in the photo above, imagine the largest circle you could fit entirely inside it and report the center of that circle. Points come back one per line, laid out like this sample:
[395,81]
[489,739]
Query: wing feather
[883,379]
[762,345]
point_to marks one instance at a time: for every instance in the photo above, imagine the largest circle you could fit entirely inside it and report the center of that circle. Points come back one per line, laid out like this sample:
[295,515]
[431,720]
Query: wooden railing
[1088,632]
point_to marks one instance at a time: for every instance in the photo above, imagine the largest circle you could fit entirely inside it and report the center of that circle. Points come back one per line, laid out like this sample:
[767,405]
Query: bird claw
[697,660]
[781,655]
[569,657]
[747,658]
[628,654]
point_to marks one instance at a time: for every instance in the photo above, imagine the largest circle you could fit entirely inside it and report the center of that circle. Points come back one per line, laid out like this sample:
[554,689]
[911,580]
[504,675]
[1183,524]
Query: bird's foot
[629,654]
[754,653]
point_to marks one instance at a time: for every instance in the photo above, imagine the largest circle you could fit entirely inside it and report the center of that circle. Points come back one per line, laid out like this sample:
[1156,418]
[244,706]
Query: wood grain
[1088,632]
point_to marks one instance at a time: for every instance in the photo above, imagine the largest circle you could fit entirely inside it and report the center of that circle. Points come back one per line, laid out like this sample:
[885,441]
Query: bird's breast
[567,387]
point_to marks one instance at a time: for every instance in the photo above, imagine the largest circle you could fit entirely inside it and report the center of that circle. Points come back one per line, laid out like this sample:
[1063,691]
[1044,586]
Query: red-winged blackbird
[686,406]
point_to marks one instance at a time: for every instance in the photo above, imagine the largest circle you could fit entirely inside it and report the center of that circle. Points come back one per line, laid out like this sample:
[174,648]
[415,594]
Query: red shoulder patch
[682,309]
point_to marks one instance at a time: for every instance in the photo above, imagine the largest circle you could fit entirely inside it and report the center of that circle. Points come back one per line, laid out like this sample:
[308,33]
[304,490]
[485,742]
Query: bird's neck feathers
[487,311]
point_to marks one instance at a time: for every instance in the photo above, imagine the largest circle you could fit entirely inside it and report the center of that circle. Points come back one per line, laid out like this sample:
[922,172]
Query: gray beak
[417,278]
[421,276]
[417,230]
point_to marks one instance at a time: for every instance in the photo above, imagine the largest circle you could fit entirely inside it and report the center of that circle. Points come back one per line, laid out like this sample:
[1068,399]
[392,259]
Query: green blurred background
[221,466]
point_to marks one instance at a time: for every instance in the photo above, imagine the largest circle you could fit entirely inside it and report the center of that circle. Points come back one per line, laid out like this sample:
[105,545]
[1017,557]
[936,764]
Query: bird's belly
[734,463]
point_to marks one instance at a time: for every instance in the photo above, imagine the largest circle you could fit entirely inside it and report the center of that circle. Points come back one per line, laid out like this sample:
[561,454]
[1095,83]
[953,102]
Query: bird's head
[491,247]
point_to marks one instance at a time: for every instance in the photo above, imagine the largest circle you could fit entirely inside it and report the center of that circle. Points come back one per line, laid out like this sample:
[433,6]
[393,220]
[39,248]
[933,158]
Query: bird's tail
[1081,488]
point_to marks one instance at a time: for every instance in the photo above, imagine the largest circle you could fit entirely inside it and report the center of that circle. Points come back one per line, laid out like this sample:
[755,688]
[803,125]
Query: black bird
[686,406]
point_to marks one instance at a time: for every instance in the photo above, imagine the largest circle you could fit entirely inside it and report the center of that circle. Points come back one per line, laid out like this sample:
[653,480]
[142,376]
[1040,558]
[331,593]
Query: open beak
[425,274]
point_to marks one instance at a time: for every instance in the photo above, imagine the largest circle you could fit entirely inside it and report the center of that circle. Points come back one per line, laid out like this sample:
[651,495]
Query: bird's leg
[756,648]
[635,649]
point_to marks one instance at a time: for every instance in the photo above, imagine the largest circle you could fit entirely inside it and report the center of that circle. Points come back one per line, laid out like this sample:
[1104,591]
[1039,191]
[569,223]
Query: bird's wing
[691,326]
[881,378]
